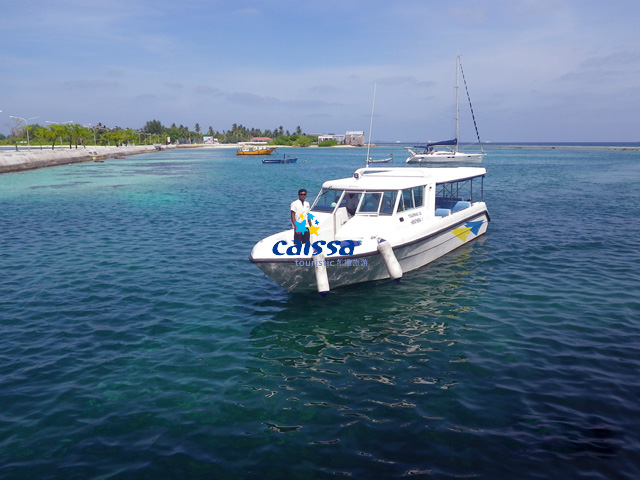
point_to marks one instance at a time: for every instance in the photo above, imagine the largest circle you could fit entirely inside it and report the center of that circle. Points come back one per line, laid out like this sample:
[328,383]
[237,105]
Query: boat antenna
[470,106]
[373,104]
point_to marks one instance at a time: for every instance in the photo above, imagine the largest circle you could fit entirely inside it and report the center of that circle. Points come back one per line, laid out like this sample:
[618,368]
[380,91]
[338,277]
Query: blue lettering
[348,248]
[275,247]
[317,246]
[344,247]
[332,247]
[295,248]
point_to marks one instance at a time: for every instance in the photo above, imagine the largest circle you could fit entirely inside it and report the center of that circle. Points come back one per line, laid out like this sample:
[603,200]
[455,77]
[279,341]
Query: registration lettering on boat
[415,217]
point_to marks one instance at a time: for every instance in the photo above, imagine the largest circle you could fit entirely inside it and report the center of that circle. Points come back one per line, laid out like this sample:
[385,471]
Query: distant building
[355,138]
[337,138]
[260,140]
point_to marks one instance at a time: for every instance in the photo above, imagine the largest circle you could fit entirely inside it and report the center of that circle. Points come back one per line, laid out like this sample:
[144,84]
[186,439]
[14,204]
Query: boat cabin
[404,194]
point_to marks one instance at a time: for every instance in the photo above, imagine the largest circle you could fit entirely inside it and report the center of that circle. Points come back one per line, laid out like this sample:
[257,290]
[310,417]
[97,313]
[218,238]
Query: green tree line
[74,135]
[237,133]
[153,132]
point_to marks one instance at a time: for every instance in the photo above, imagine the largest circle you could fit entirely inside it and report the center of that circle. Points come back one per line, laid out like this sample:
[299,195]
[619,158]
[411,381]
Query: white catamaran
[430,154]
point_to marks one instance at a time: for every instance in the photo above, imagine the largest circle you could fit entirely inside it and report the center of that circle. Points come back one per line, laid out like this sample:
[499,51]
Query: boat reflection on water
[373,356]
[429,296]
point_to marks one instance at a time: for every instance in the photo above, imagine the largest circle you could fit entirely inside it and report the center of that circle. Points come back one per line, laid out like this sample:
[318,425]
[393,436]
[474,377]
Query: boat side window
[326,200]
[407,199]
[459,194]
[370,202]
[388,202]
[418,196]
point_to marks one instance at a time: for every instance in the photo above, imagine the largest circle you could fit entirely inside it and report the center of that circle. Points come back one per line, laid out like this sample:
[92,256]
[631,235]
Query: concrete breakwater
[11,161]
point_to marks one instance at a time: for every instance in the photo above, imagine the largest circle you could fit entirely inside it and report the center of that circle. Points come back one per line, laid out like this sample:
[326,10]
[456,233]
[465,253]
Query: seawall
[12,161]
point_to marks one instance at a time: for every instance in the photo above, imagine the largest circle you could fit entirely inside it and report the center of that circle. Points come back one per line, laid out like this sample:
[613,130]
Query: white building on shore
[355,138]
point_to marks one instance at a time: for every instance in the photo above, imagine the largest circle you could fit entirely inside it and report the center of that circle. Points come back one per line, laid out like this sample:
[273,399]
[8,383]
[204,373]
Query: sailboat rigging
[369,159]
[429,154]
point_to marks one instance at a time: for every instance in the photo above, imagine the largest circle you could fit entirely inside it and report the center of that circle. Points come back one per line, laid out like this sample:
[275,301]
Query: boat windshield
[350,201]
[380,203]
[327,200]
[366,203]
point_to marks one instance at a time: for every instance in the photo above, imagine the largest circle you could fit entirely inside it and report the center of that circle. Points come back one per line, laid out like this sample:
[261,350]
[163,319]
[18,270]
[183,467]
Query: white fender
[322,279]
[393,266]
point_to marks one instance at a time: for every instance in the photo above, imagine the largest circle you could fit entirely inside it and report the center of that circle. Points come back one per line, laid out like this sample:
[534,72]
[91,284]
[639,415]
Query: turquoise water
[139,342]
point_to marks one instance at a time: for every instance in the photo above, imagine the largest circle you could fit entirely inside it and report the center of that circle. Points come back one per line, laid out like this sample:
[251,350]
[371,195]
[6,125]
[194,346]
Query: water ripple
[138,341]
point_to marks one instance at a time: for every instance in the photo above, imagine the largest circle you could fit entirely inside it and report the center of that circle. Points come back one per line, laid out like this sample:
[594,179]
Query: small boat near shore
[380,160]
[255,150]
[284,159]
[378,224]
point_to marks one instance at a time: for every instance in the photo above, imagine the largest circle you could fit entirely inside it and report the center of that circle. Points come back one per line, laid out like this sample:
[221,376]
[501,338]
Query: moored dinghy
[380,160]
[284,159]
[378,224]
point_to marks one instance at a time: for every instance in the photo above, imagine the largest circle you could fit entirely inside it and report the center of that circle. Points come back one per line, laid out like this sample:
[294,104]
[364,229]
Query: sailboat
[430,154]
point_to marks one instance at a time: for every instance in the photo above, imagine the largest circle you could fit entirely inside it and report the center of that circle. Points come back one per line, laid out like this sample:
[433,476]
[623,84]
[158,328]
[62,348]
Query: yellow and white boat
[255,150]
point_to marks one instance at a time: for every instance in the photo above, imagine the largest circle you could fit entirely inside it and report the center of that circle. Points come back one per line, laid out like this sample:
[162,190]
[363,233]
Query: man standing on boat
[299,217]
[352,202]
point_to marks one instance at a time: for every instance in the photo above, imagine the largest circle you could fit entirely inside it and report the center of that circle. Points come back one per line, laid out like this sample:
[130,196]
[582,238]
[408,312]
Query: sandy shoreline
[40,157]
[12,161]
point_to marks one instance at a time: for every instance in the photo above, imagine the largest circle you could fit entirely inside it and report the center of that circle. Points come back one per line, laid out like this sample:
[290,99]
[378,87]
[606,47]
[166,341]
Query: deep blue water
[137,341]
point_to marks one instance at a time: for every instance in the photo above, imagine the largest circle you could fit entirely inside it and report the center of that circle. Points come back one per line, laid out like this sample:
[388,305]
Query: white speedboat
[378,224]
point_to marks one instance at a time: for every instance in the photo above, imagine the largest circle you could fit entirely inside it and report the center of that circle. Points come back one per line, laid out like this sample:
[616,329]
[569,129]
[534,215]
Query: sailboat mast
[373,104]
[455,148]
[473,116]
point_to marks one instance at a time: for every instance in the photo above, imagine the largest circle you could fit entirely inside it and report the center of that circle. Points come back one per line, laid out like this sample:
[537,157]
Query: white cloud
[533,67]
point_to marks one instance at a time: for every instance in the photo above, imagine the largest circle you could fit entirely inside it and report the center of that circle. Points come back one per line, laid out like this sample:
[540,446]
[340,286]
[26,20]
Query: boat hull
[280,160]
[445,157]
[297,273]
[255,151]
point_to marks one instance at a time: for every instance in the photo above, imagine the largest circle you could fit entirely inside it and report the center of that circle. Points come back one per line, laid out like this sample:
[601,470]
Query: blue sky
[537,70]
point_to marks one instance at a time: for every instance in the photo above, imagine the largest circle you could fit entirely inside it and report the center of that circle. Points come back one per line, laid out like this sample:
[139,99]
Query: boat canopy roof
[434,144]
[401,178]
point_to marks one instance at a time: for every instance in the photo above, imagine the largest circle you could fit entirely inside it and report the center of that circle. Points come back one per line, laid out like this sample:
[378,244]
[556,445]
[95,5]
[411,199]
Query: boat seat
[443,212]
[461,206]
